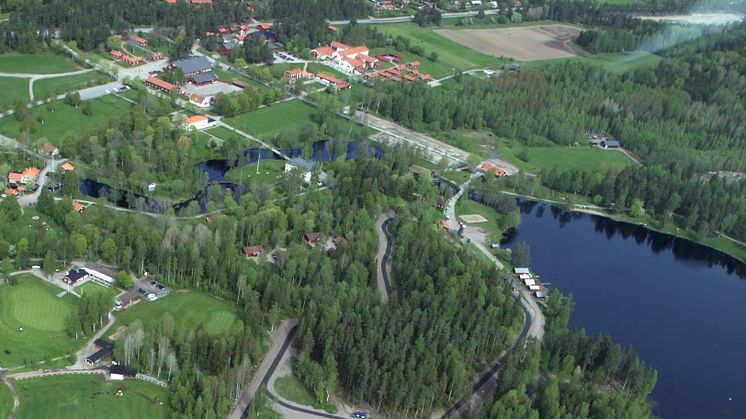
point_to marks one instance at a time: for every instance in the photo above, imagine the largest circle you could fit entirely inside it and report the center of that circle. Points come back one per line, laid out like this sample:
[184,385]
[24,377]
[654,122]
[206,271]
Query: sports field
[13,88]
[67,118]
[89,396]
[189,309]
[450,54]
[33,305]
[41,63]
[521,43]
[60,85]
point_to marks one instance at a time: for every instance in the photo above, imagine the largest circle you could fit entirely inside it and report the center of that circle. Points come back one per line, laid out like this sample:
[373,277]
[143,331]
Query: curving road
[13,392]
[385,244]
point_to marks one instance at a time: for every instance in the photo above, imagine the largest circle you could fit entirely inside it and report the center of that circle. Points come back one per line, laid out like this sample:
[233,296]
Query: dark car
[160,287]
[140,291]
[360,414]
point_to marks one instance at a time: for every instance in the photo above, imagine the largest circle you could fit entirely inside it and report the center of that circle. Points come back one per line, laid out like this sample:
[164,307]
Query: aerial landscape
[372,209]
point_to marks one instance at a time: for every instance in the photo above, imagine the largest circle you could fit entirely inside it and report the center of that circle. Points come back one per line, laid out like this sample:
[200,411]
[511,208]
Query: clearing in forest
[520,43]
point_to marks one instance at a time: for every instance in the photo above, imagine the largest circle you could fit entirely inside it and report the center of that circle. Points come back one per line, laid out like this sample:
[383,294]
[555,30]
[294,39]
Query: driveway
[28,200]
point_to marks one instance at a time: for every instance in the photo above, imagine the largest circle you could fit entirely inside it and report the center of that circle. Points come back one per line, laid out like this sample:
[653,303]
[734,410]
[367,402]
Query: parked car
[150,297]
[360,415]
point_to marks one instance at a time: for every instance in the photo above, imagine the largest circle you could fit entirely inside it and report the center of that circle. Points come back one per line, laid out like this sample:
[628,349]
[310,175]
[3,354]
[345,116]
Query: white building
[200,122]
[101,274]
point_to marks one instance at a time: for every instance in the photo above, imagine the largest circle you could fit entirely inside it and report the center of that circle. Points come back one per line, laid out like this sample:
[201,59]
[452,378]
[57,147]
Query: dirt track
[523,43]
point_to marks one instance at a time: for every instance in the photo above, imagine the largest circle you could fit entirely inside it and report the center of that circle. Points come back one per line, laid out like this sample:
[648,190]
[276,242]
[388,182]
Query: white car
[151,297]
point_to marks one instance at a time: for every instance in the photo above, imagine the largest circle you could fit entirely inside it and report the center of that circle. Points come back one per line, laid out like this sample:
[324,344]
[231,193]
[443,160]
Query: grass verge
[292,388]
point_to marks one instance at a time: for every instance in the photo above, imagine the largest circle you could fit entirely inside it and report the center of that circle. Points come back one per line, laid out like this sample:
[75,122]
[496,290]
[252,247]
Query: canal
[681,305]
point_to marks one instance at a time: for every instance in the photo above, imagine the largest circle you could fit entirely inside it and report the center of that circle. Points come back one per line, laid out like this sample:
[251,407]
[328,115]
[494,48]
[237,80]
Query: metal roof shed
[521,270]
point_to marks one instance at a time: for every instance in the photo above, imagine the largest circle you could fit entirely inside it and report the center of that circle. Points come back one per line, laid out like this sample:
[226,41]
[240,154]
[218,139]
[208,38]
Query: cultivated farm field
[89,396]
[520,43]
[189,309]
[33,305]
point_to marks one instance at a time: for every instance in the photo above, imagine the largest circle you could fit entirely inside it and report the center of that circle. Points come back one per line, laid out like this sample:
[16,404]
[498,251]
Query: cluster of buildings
[346,58]
[604,142]
[18,181]
[489,168]
[408,72]
[91,271]
[197,70]
[530,281]
[295,74]
[124,58]
[234,36]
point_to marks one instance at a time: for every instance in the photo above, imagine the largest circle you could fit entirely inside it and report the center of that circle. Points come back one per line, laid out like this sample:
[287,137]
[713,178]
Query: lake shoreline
[681,234]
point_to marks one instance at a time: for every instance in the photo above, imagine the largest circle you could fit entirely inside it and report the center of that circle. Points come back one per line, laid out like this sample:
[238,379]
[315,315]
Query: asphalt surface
[384,252]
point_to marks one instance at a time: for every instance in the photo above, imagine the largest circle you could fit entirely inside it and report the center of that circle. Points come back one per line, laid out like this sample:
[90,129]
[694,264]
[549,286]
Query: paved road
[385,242]
[374,20]
[28,200]
[33,77]
[13,393]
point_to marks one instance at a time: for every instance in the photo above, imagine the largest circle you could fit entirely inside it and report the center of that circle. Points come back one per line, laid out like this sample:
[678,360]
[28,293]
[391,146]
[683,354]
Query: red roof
[322,51]
[201,1]
[116,54]
[340,84]
[251,251]
[139,40]
[486,167]
[31,172]
[170,1]
[196,118]
[338,45]
[356,50]
[160,83]
[14,176]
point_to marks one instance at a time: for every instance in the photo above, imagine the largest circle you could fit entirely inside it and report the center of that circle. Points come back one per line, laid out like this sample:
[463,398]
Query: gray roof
[301,163]
[611,143]
[92,266]
[204,77]
[193,64]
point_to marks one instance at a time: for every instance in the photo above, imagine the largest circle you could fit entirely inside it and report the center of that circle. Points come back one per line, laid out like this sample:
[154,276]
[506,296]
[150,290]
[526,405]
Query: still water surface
[681,305]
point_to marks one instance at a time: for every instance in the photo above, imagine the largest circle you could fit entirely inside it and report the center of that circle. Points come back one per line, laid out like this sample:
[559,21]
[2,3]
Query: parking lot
[210,89]
[284,57]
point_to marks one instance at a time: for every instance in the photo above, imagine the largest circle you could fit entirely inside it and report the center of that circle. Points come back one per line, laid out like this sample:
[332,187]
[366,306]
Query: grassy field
[13,88]
[293,389]
[318,67]
[617,63]
[450,54]
[566,158]
[26,223]
[59,85]
[6,401]
[41,63]
[89,396]
[67,118]
[189,309]
[229,75]
[467,206]
[268,122]
[269,171]
[33,305]
[92,288]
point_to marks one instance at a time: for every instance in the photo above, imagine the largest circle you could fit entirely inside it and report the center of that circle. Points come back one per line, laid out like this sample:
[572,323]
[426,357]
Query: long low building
[101,274]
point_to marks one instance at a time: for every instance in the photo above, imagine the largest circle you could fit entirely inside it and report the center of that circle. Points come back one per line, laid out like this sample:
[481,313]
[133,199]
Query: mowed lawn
[6,401]
[13,88]
[189,309]
[33,305]
[566,158]
[59,85]
[293,389]
[268,122]
[92,288]
[89,396]
[466,206]
[450,54]
[41,63]
[67,118]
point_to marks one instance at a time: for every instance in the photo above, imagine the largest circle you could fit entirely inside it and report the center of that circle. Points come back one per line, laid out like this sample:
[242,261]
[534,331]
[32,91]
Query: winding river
[680,304]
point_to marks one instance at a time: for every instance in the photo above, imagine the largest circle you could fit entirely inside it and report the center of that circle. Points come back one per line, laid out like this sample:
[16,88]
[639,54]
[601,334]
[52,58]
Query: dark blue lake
[681,305]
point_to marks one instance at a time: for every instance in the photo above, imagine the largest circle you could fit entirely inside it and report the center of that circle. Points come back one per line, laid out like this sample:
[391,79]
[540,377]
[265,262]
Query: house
[67,167]
[151,187]
[413,64]
[312,238]
[139,40]
[512,67]
[128,59]
[499,172]
[485,167]
[171,1]
[116,54]
[201,101]
[159,84]
[609,143]
[117,372]
[105,349]
[193,65]
[13,191]
[199,122]
[297,74]
[298,163]
[75,275]
[78,207]
[322,53]
[202,79]
[443,224]
[128,299]
[101,274]
[327,79]
[227,48]
[252,251]
[201,1]
[30,175]
[50,150]
[389,58]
